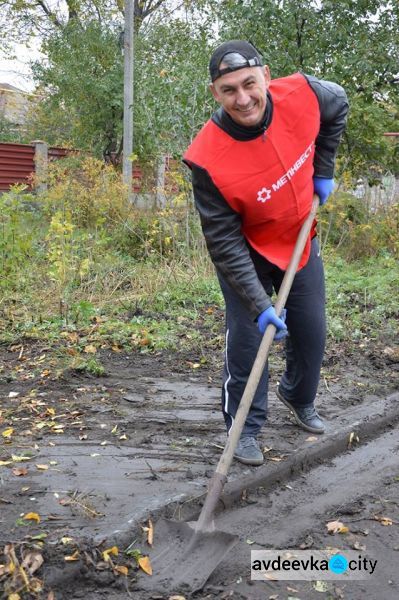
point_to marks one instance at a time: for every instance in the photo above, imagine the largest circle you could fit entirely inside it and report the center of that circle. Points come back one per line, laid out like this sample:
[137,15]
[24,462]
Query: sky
[17,72]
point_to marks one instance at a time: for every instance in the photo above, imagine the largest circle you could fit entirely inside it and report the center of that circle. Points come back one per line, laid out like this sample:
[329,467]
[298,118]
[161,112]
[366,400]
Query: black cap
[250,55]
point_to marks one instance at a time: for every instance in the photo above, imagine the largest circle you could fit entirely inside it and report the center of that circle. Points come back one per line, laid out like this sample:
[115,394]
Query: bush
[357,231]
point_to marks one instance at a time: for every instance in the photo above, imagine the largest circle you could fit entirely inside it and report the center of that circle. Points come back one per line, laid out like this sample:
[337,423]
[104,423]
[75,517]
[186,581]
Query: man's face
[242,94]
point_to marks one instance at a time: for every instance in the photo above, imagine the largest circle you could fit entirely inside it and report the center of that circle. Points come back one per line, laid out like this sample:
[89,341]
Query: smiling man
[255,166]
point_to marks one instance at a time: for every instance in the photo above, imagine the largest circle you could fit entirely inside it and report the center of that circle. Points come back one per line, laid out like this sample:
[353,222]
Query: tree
[352,42]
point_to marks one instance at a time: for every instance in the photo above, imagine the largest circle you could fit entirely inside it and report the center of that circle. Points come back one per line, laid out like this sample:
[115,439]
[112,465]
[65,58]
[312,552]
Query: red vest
[268,180]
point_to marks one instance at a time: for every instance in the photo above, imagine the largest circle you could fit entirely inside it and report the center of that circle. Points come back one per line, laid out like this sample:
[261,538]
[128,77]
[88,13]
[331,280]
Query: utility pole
[128,55]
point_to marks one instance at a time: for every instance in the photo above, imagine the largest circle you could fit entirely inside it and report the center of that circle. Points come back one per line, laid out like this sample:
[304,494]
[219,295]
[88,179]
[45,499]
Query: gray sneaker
[248,451]
[306,416]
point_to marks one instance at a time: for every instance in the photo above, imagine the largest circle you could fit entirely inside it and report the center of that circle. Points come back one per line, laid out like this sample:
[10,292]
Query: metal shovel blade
[183,559]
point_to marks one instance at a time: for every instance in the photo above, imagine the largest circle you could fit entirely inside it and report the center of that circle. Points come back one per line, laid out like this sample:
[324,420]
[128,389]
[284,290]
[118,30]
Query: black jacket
[221,225]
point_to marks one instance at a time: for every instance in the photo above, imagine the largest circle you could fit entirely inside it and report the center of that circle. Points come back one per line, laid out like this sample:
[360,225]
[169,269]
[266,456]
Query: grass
[80,289]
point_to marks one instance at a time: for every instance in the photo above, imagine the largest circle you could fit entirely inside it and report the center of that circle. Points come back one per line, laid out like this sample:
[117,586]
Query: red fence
[17,165]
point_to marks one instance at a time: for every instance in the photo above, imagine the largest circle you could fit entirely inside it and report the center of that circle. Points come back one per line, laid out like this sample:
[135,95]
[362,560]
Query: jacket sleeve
[226,244]
[334,107]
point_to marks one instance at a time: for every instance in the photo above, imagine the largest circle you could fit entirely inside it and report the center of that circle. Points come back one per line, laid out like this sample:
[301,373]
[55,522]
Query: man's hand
[269,316]
[323,188]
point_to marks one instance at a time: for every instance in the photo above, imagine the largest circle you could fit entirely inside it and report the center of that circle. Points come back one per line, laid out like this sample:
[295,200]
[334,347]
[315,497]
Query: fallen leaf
[13,394]
[42,467]
[177,598]
[290,589]
[90,349]
[4,463]
[145,565]
[320,586]
[16,458]
[14,597]
[113,551]
[123,437]
[74,556]
[383,520]
[66,540]
[20,471]
[32,516]
[312,438]
[122,570]
[32,562]
[358,546]
[150,534]
[7,433]
[353,437]
[336,527]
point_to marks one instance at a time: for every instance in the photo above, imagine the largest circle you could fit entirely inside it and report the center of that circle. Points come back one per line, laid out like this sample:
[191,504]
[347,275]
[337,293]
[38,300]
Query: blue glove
[323,188]
[269,316]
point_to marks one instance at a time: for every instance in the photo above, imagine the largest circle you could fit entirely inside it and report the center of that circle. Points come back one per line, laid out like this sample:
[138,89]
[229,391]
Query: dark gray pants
[304,346]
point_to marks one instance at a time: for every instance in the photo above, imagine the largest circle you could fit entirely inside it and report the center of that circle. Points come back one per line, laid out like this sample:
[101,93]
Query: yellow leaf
[66,540]
[150,534]
[51,411]
[123,437]
[145,565]
[113,551]
[121,570]
[74,556]
[14,597]
[32,516]
[16,458]
[90,349]
[42,467]
[336,527]
[3,463]
[7,433]
[384,520]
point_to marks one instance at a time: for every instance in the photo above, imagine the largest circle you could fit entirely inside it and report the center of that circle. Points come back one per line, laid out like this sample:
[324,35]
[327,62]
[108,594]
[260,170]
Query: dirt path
[148,437]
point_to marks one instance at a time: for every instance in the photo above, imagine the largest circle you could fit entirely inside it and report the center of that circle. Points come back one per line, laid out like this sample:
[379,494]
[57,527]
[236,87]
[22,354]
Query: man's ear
[267,75]
[214,92]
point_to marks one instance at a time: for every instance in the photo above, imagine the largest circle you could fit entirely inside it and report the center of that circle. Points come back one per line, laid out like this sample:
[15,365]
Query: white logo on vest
[263,195]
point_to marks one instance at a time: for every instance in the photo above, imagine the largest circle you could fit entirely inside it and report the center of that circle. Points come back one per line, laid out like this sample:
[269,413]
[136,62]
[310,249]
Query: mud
[172,434]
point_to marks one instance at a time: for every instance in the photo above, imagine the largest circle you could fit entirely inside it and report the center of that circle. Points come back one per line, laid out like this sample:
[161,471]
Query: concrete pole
[41,165]
[128,55]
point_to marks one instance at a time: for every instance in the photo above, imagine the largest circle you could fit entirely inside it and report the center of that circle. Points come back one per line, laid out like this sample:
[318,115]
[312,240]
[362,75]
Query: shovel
[185,554]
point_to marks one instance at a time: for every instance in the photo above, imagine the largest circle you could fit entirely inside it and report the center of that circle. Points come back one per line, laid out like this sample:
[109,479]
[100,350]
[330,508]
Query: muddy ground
[95,458]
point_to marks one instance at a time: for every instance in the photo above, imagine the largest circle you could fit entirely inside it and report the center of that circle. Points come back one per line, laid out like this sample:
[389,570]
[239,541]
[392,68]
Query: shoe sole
[249,461]
[297,419]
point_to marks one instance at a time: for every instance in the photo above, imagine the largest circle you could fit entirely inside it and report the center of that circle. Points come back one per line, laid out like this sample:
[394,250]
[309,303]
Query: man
[255,166]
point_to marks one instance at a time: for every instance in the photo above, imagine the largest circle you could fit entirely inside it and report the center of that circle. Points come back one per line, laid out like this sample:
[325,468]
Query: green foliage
[362,298]
[92,366]
[172,100]
[18,219]
[83,83]
[359,230]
